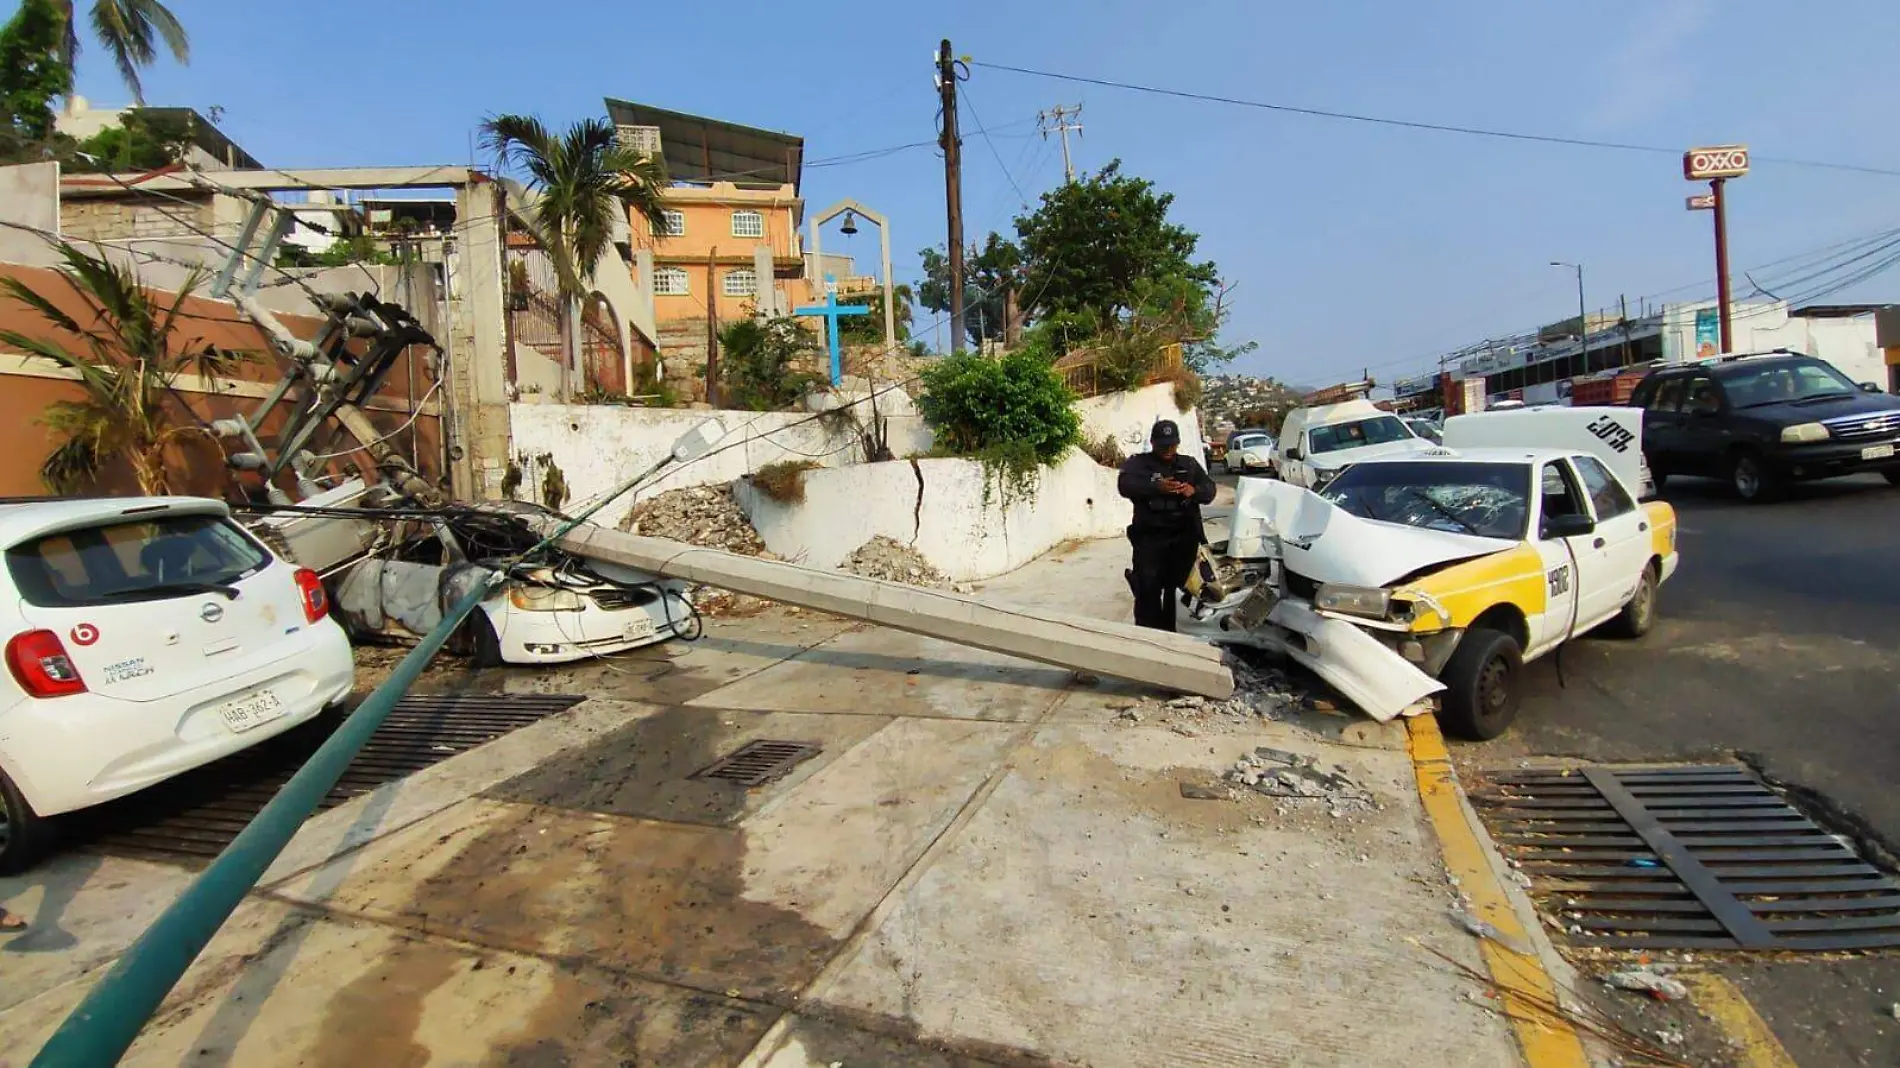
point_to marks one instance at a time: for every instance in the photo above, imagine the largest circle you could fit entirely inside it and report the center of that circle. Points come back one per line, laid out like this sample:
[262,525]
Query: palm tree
[127,369]
[130,31]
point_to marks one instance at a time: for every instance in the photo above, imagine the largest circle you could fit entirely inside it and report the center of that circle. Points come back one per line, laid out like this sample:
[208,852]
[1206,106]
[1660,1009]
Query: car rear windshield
[137,560]
[1250,441]
[1489,500]
[1751,384]
[1377,430]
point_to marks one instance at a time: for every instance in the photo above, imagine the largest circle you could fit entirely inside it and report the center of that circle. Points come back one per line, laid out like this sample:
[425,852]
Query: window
[1751,383]
[670,282]
[1484,499]
[675,224]
[741,282]
[1667,397]
[1703,396]
[170,556]
[1560,497]
[1609,496]
[1378,430]
[748,224]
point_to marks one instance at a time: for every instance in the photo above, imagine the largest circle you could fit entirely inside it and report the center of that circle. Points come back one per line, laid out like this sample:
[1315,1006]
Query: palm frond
[70,467]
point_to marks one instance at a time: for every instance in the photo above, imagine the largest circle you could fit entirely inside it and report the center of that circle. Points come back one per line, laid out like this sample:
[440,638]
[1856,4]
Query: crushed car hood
[1324,543]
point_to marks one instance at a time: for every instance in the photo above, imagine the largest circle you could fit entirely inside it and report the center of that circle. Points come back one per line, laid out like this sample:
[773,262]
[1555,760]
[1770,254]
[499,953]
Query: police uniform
[1166,532]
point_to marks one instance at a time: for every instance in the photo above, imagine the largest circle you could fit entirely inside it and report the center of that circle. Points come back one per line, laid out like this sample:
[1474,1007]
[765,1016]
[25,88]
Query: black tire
[1639,615]
[1481,685]
[24,834]
[1755,481]
[484,645]
[1658,475]
[1892,475]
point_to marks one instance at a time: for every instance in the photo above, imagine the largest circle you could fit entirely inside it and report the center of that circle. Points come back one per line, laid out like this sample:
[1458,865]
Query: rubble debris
[709,517]
[1648,981]
[1277,773]
[1200,792]
[1259,693]
[889,560]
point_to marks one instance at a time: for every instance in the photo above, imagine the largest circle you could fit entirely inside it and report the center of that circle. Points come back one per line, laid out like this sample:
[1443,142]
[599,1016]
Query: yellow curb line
[1755,1045]
[1547,1041]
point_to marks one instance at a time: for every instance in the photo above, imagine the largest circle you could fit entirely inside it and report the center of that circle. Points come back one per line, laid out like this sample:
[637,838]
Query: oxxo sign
[1715,161]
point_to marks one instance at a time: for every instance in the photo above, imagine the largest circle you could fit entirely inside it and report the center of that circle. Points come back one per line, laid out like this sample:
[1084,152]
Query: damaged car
[1444,572]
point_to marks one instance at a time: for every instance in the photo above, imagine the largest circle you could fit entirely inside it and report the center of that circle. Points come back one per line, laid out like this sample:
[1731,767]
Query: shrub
[976,403]
[784,481]
[756,361]
[1187,389]
[1107,452]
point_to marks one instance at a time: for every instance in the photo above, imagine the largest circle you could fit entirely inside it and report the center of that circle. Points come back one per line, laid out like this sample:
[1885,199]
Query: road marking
[1755,1045]
[1547,1041]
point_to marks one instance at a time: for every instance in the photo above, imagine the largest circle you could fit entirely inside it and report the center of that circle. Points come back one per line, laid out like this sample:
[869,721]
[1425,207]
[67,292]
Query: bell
[850,224]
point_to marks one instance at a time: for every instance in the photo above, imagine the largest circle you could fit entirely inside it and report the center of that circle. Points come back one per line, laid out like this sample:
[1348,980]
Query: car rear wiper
[230,593]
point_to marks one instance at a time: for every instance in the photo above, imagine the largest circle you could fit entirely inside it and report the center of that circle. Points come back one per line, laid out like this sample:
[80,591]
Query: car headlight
[1353,600]
[1795,435]
[544,599]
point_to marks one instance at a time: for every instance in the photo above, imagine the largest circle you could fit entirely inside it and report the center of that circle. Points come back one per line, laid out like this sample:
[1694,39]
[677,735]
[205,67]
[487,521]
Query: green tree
[1012,407]
[989,272]
[144,140]
[870,328]
[757,362]
[131,31]
[1092,244]
[32,76]
[128,363]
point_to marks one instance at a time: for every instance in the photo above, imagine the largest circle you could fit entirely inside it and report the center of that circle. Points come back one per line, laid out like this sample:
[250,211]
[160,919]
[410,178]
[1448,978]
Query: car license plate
[638,628]
[252,710]
[1876,452]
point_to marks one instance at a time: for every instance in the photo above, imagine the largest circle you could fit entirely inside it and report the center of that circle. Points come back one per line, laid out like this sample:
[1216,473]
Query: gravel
[1260,692]
[709,517]
[892,561]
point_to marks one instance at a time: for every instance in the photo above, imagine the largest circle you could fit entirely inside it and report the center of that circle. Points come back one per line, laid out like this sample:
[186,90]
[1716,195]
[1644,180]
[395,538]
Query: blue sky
[1350,245]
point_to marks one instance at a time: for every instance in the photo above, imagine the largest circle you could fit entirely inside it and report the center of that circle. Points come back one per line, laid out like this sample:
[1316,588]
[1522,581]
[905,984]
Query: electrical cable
[413,416]
[1435,127]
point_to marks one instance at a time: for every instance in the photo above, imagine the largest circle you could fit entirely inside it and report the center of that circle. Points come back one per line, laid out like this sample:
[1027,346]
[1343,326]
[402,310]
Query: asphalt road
[1778,642]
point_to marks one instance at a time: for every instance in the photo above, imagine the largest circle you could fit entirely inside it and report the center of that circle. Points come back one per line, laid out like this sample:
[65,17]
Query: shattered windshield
[1489,500]
[1377,430]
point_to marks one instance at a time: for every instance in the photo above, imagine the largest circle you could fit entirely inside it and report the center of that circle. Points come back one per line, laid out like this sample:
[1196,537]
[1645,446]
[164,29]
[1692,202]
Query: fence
[1083,371]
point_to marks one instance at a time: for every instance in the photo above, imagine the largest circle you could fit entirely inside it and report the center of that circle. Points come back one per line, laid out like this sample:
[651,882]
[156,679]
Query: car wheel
[1892,475]
[1753,480]
[1658,474]
[24,834]
[1481,685]
[484,643]
[1639,615]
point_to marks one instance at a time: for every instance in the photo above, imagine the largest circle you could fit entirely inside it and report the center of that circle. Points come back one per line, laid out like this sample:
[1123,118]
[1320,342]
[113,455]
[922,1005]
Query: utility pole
[1583,316]
[953,186]
[1623,316]
[1721,262]
[1057,119]
[712,331]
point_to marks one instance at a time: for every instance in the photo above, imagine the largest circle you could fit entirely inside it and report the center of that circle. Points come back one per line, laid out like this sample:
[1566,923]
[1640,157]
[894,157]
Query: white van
[1315,443]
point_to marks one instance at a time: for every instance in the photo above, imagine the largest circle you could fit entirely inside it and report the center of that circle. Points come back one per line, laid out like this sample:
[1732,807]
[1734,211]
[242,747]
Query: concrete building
[1539,367]
[207,149]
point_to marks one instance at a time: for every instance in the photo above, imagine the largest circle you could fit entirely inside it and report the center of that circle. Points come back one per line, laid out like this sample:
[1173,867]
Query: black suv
[1765,421]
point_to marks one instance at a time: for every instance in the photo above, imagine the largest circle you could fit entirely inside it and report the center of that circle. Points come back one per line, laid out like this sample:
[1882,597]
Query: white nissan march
[145,637]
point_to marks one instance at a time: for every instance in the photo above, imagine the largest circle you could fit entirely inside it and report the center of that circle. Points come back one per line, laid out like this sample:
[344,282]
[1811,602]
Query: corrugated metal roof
[701,149]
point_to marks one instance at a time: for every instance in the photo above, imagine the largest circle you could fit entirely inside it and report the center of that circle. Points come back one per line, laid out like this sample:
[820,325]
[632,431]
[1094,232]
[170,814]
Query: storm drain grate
[1701,857]
[757,763]
[195,815]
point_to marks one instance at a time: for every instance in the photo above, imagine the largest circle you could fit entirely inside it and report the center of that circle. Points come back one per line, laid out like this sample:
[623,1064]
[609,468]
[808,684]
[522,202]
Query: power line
[1435,127]
[966,101]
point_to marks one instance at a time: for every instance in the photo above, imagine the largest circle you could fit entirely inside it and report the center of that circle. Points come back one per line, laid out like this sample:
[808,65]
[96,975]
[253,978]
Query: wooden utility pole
[953,186]
[712,331]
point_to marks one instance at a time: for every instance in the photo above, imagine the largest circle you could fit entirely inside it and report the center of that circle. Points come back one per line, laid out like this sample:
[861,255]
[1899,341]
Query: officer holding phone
[1167,490]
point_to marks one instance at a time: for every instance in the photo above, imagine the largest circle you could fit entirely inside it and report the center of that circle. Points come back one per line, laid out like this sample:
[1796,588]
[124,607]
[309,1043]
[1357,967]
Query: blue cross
[831,310]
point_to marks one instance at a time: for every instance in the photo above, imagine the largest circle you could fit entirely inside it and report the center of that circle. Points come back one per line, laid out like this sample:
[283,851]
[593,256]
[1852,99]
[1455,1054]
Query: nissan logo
[211,612]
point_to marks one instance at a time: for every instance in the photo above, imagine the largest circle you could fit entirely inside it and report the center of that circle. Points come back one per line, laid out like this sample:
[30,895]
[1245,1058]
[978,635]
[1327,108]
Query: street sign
[1715,161]
[1700,202]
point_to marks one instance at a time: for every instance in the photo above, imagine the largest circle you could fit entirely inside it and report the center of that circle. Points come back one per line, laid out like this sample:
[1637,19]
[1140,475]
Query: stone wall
[119,219]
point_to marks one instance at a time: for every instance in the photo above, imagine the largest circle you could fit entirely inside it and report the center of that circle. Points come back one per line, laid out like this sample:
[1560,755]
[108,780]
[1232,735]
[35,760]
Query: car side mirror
[1293,454]
[1871,387]
[1568,526]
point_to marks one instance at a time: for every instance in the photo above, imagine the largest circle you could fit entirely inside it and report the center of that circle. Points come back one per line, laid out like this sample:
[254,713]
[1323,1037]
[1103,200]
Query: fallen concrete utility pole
[1168,661]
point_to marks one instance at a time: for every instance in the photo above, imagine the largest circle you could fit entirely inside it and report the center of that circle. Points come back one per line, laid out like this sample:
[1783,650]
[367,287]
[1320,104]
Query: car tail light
[41,667]
[316,600]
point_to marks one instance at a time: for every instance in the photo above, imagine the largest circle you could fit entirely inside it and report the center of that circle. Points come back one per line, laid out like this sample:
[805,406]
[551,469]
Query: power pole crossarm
[1057,119]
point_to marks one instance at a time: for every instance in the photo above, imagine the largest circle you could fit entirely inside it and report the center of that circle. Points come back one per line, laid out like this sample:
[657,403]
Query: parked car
[145,637]
[1317,443]
[1249,452]
[1763,422]
[1427,430]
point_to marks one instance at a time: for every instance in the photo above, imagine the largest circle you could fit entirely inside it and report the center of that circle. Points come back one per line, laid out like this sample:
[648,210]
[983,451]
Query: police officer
[1168,490]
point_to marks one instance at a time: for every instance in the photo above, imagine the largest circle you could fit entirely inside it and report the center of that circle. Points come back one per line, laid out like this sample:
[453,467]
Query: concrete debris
[889,560]
[1259,693]
[1894,1010]
[706,516]
[1648,981]
[1277,773]
[1198,792]
[1669,1036]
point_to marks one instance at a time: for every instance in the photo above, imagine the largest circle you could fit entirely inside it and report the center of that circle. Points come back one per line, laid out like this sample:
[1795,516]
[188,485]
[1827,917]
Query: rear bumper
[73,752]
[1828,459]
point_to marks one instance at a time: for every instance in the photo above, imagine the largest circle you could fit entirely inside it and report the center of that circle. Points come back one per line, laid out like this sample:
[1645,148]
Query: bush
[755,363]
[1107,452]
[784,481]
[980,403]
[1187,389]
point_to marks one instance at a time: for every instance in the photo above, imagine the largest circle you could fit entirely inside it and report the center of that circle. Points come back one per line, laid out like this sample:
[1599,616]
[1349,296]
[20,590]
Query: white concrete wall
[1849,344]
[600,447]
[29,196]
[1129,416]
[939,507]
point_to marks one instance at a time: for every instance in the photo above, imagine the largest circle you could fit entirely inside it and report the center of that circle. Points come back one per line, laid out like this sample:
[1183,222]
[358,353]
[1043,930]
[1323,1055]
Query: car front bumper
[1827,459]
[73,752]
[566,636]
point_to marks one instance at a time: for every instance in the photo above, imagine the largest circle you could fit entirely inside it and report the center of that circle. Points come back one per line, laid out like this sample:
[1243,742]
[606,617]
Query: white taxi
[145,637]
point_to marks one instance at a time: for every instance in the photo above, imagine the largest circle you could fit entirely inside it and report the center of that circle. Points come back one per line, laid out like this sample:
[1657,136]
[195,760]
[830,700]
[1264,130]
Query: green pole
[103,1026]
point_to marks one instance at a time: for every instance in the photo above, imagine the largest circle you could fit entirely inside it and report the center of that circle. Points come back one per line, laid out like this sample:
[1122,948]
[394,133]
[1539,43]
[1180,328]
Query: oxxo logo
[1612,433]
[1715,161]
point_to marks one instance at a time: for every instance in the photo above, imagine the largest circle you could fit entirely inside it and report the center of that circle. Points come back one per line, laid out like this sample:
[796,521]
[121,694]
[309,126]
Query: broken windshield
[1378,430]
[1488,500]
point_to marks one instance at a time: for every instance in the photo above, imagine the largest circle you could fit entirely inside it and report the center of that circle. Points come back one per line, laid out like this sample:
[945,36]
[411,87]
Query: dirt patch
[889,560]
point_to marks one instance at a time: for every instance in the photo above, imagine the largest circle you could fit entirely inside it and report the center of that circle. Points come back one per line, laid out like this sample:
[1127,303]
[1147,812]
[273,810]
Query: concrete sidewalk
[987,864]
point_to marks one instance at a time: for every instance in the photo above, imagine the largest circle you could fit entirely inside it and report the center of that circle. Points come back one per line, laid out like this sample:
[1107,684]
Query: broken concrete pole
[1169,661]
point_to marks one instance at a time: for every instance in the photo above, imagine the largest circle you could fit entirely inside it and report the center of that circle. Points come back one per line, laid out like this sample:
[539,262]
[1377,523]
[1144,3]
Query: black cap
[1165,433]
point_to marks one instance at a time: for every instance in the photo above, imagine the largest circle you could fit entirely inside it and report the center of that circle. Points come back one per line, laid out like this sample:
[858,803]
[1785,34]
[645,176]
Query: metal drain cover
[757,763]
[1686,857]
